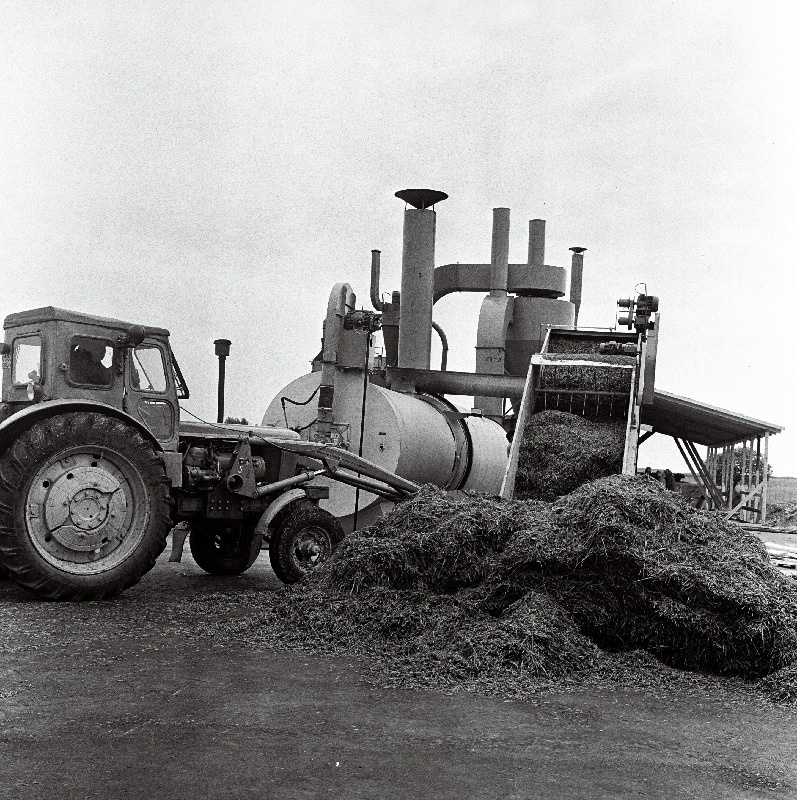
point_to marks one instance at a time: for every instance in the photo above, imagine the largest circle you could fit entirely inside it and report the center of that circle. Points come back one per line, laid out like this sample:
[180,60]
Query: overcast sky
[214,167]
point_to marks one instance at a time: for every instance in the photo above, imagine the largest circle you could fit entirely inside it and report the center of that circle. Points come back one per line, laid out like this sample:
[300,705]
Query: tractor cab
[50,354]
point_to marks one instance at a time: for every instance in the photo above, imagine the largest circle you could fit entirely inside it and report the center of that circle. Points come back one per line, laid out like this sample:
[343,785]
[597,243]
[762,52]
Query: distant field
[782,490]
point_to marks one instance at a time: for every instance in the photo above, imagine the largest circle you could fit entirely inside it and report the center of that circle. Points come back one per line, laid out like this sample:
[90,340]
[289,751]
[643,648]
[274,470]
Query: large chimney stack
[536,242]
[417,277]
[576,277]
[499,256]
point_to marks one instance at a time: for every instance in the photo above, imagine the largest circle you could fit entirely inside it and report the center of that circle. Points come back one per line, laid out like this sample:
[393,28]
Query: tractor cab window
[148,372]
[91,361]
[27,360]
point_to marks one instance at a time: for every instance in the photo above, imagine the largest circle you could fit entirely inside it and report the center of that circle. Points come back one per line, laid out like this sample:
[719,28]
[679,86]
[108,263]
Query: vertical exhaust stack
[576,277]
[376,261]
[536,242]
[499,256]
[417,277]
[222,348]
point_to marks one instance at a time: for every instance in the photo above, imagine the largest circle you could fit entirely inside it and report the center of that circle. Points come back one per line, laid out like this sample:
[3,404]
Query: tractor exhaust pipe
[222,351]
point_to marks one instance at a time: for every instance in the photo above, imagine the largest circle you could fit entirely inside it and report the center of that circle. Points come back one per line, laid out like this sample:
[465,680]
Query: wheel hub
[78,502]
[311,547]
[88,509]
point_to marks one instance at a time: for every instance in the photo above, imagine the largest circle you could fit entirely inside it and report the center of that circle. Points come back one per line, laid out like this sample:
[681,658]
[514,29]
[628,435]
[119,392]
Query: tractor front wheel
[84,507]
[224,549]
[305,537]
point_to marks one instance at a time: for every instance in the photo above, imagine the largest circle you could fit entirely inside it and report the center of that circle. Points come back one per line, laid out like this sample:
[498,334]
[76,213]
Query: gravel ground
[149,694]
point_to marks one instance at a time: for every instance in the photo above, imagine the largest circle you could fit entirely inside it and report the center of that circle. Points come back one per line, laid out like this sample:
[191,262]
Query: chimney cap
[578,249]
[421,198]
[222,347]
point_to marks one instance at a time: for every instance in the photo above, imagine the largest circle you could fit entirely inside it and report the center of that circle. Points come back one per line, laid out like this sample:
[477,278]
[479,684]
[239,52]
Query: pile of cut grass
[582,377]
[782,515]
[486,594]
[560,451]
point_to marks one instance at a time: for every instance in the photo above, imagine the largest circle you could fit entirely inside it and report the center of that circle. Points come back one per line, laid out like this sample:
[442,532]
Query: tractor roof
[51,313]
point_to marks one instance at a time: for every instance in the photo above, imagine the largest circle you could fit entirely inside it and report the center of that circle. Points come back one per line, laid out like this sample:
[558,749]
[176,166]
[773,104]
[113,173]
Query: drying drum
[406,435]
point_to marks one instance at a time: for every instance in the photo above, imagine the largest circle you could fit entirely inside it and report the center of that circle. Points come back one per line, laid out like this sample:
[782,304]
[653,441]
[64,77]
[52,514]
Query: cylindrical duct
[576,277]
[464,383]
[391,313]
[417,289]
[536,242]
[376,300]
[443,345]
[499,256]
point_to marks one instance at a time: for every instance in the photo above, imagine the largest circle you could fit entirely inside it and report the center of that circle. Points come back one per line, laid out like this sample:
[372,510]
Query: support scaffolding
[743,469]
[733,477]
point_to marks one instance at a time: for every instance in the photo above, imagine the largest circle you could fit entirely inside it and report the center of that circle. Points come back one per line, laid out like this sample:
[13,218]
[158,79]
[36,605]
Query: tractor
[96,466]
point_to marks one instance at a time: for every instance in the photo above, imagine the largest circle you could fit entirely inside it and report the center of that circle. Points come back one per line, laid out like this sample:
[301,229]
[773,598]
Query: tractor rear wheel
[224,549]
[305,537]
[84,507]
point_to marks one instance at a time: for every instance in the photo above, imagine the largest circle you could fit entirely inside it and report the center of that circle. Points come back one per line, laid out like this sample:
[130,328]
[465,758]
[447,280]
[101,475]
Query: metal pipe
[369,485]
[576,277]
[443,344]
[465,383]
[222,347]
[286,483]
[390,328]
[417,289]
[376,300]
[499,253]
[536,242]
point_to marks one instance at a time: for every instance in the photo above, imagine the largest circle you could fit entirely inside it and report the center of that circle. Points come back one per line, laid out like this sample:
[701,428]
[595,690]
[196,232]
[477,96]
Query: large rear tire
[305,537]
[224,549]
[84,507]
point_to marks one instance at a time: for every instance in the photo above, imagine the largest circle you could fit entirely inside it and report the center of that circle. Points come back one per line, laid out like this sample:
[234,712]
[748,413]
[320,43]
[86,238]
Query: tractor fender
[268,516]
[23,420]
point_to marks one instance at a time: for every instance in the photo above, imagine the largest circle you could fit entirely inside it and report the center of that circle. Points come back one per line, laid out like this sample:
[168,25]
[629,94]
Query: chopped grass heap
[782,515]
[598,376]
[490,594]
[561,451]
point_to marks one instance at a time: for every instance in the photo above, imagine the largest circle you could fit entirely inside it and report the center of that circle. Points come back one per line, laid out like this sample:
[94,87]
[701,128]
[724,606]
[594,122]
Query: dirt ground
[119,700]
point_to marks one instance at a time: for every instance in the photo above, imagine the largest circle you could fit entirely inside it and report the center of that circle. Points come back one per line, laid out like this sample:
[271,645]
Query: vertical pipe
[376,300]
[417,289]
[444,346]
[499,255]
[576,277]
[536,242]
[390,328]
[222,348]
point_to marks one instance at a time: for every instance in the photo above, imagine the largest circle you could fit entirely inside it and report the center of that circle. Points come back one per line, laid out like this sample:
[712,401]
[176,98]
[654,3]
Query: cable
[284,400]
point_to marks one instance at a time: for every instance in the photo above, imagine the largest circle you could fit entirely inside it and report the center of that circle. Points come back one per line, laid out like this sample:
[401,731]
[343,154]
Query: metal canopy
[700,423]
